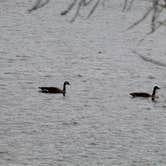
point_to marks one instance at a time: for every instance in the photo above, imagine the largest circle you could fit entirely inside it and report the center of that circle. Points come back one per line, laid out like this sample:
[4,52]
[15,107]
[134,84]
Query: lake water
[97,123]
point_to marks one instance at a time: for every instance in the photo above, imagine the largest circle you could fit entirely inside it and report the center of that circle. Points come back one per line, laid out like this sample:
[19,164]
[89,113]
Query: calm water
[97,123]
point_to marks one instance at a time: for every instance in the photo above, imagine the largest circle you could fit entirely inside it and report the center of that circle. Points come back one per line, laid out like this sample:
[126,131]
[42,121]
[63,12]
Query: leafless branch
[93,9]
[127,5]
[150,60]
[69,8]
[87,3]
[38,5]
[154,16]
[141,19]
[156,9]
[77,11]
[80,4]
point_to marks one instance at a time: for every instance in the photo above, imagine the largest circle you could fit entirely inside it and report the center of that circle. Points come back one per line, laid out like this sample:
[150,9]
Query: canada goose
[144,94]
[55,89]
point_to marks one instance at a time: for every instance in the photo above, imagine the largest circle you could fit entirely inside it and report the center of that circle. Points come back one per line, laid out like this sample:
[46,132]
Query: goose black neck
[64,89]
[154,92]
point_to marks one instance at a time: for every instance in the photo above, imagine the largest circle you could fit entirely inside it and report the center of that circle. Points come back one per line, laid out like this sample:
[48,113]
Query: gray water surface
[97,122]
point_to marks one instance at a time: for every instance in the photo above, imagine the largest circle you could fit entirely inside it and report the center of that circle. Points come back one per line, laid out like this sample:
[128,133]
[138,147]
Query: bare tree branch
[140,20]
[93,9]
[126,4]
[69,8]
[87,3]
[77,11]
[130,4]
[80,4]
[158,63]
[154,16]
[154,12]
[38,5]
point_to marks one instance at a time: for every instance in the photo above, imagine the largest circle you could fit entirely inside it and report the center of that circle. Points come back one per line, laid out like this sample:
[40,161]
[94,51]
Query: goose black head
[66,83]
[156,87]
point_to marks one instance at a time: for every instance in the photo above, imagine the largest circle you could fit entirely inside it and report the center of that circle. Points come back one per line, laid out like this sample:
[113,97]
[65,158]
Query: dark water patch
[60,160]
[9,73]
[148,108]
[1,84]
[48,76]
[85,90]
[135,76]
[6,156]
[151,77]
[31,132]
[84,57]
[164,106]
[79,75]
[22,56]
[93,98]
[23,59]
[73,123]
[29,82]
[11,60]
[84,156]
[4,152]
[97,68]
[4,53]
[86,105]
[84,80]
[93,143]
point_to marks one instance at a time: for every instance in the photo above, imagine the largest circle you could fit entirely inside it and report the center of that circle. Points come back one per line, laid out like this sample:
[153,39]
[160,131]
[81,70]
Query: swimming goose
[144,94]
[55,89]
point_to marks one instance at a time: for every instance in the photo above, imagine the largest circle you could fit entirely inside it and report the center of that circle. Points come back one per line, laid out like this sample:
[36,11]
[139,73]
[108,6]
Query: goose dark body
[144,94]
[55,89]
[140,94]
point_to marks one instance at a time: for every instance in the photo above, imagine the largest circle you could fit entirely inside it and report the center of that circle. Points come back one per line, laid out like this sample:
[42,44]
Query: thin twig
[38,5]
[77,11]
[125,5]
[79,5]
[93,9]
[69,8]
[87,3]
[140,20]
[130,5]
[155,11]
[150,60]
[157,25]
